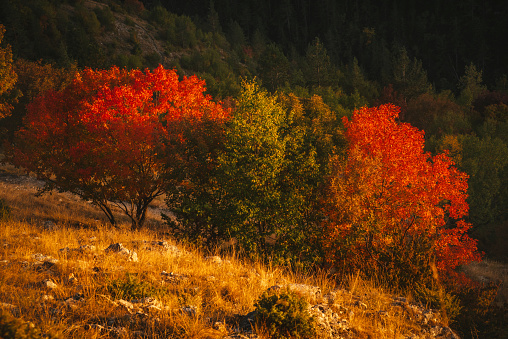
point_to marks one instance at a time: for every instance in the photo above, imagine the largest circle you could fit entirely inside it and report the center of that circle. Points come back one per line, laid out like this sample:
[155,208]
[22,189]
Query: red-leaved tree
[391,207]
[104,137]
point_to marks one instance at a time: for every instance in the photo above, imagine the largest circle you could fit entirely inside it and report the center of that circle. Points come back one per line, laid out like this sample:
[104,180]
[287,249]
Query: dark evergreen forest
[445,35]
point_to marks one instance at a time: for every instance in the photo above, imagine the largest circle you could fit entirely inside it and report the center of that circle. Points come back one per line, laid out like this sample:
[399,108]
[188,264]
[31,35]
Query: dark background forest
[445,35]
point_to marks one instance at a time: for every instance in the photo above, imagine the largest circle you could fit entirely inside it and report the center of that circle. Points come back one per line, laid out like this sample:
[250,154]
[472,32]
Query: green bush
[285,315]
[436,298]
[106,18]
[130,287]
[5,210]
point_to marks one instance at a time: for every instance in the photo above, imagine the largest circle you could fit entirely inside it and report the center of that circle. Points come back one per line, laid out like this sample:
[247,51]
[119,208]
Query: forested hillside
[356,136]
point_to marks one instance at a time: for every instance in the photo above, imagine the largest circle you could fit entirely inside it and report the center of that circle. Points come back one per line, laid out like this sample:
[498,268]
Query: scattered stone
[219,326]
[242,336]
[125,303]
[7,306]
[189,310]
[173,277]
[214,259]
[41,258]
[149,304]
[118,248]
[399,300]
[311,291]
[81,249]
[329,324]
[72,280]
[49,284]
[48,297]
[73,302]
[45,266]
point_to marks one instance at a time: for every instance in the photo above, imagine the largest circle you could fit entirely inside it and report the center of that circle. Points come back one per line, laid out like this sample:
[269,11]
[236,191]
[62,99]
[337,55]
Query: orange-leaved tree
[104,136]
[392,209]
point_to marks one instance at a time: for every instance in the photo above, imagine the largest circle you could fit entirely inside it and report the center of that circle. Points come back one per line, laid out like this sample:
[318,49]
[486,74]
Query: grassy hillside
[57,278]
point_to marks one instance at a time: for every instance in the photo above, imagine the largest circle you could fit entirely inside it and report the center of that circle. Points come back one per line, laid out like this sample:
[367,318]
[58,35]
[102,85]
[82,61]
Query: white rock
[214,259]
[49,284]
[125,304]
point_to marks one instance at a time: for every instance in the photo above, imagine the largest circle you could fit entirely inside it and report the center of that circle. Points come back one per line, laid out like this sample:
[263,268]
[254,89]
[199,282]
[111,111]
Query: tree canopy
[102,137]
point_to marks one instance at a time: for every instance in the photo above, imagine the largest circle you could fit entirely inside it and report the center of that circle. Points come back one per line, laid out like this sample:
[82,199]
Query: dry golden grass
[217,292]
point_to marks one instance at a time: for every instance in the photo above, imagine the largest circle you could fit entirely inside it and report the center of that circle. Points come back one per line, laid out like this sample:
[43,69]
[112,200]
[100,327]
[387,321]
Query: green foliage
[408,77]
[437,115]
[130,287]
[354,81]
[153,59]
[194,197]
[319,71]
[257,180]
[106,18]
[438,298]
[250,165]
[274,68]
[470,85]
[265,173]
[485,160]
[14,328]
[285,315]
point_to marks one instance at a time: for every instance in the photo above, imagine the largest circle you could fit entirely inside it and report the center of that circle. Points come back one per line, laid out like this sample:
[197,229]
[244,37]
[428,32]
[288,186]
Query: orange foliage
[390,201]
[102,136]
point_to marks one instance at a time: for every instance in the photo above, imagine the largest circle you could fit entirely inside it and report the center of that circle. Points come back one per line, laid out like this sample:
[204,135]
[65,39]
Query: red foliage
[389,198]
[103,136]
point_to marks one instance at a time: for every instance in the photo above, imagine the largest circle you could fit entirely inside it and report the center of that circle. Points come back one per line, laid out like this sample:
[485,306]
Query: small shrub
[285,315]
[5,210]
[129,22]
[106,18]
[14,328]
[130,288]
[153,59]
[436,298]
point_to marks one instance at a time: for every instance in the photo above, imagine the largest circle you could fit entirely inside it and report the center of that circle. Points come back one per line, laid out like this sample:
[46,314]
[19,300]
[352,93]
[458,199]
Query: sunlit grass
[195,297]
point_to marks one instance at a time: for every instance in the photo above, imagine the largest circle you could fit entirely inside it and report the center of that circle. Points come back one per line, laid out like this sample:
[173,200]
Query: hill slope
[66,273]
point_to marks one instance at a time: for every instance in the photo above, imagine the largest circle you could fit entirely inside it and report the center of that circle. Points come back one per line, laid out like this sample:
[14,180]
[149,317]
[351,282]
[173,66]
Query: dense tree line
[373,61]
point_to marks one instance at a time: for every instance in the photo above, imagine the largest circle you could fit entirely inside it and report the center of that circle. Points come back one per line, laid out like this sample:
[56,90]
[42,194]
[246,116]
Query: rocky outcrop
[333,317]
